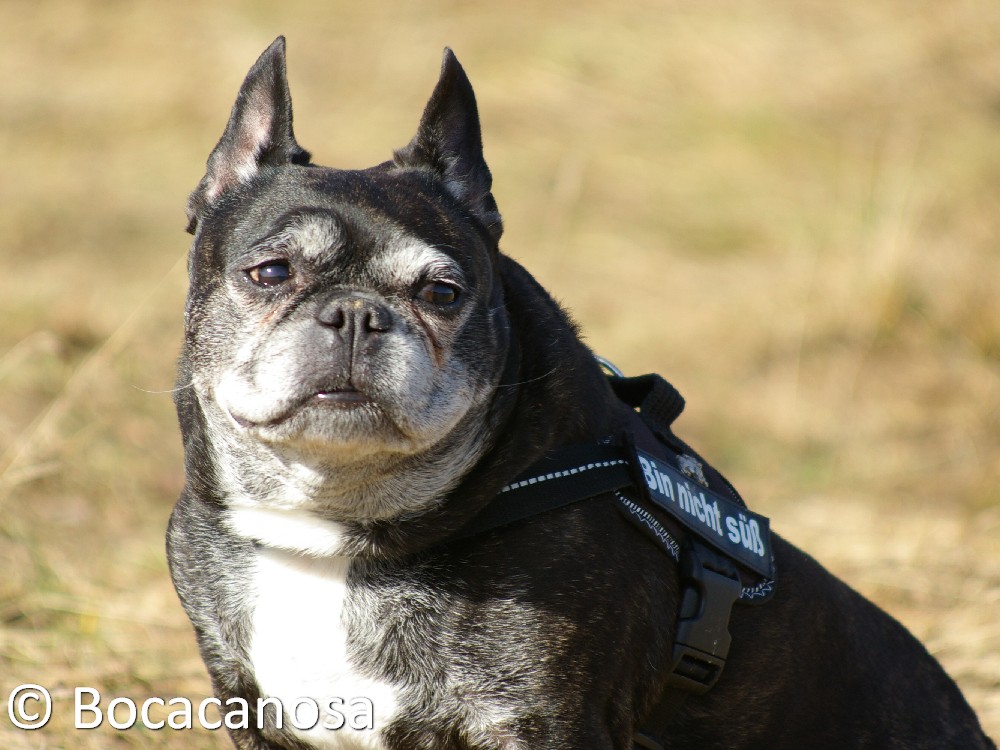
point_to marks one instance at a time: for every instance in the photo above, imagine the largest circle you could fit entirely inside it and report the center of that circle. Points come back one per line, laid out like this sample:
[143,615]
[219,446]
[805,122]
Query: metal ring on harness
[609,366]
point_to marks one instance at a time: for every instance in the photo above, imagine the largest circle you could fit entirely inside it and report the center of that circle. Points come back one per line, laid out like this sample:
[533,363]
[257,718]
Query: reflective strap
[566,476]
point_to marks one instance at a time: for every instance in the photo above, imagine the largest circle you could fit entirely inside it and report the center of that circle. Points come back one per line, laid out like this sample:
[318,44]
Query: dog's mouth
[341,398]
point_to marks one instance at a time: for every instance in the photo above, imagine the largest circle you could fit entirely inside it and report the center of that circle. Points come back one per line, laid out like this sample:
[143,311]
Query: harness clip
[709,587]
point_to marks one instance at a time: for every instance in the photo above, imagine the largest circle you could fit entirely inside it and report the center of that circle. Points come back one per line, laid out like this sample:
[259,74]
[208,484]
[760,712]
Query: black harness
[724,550]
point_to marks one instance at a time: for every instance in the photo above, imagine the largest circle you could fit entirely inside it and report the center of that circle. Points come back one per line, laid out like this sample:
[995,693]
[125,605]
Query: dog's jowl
[419,514]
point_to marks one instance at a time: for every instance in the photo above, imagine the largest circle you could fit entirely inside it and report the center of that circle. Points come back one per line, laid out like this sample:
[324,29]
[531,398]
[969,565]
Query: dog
[363,376]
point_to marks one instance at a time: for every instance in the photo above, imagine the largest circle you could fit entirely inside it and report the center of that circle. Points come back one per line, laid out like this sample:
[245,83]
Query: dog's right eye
[272,273]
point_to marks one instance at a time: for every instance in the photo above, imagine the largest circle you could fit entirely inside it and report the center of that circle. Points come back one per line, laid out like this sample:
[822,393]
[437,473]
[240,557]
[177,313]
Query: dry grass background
[789,208]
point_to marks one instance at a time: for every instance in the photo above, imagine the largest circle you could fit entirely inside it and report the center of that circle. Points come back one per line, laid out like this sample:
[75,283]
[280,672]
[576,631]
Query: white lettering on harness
[691,500]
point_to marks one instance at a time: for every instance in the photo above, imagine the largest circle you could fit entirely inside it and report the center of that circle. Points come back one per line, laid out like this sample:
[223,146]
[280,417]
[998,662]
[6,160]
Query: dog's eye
[271,273]
[438,293]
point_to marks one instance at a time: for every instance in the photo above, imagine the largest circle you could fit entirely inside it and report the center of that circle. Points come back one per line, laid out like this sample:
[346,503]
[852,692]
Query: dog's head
[343,326]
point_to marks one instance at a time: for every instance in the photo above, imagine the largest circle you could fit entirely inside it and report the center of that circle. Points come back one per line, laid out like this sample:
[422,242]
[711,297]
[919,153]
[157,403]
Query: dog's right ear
[258,134]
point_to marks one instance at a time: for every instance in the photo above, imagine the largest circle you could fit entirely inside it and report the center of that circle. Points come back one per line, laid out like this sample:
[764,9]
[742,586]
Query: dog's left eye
[438,293]
[270,274]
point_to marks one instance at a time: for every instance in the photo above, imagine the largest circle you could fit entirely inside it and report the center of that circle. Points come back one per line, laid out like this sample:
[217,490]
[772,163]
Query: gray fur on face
[283,443]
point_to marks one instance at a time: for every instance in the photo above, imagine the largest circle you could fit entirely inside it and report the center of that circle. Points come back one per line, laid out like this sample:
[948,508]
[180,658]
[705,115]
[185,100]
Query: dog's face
[338,328]
[344,323]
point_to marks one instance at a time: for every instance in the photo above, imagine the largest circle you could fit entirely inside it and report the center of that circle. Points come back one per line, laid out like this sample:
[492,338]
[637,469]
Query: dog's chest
[299,652]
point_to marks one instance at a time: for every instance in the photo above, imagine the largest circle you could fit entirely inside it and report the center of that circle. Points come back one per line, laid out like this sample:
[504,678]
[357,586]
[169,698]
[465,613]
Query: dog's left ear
[258,134]
[449,143]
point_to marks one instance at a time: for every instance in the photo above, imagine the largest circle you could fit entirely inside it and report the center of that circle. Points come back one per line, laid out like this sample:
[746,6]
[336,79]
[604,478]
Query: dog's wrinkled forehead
[371,224]
[387,255]
[312,234]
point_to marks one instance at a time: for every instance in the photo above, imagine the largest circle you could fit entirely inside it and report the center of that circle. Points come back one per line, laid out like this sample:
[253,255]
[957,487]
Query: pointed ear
[258,134]
[449,143]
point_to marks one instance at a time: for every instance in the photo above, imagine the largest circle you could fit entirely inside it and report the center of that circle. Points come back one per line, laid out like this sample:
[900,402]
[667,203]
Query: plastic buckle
[709,587]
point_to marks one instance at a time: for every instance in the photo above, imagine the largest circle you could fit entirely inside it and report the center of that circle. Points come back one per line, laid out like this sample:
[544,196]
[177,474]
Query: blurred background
[788,208]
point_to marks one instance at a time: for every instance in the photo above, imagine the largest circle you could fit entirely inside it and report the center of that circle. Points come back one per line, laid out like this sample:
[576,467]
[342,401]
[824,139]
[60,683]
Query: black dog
[370,535]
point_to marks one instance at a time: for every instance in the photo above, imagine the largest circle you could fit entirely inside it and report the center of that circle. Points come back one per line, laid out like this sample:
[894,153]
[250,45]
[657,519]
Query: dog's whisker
[543,376]
[169,390]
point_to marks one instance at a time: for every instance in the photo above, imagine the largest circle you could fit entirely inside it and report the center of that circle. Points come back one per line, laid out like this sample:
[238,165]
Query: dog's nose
[355,315]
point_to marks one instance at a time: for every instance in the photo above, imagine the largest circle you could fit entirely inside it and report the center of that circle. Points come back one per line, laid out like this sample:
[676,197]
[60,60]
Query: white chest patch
[299,654]
[291,530]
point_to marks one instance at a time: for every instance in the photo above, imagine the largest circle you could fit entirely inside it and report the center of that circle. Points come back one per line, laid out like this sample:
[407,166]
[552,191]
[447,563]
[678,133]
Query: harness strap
[709,582]
[561,478]
[581,471]
[656,399]
[676,480]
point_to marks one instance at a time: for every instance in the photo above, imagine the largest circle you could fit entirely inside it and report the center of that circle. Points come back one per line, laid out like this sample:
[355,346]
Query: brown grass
[786,207]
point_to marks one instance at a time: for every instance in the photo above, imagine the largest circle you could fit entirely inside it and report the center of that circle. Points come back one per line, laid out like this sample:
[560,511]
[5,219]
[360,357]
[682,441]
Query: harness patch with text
[732,529]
